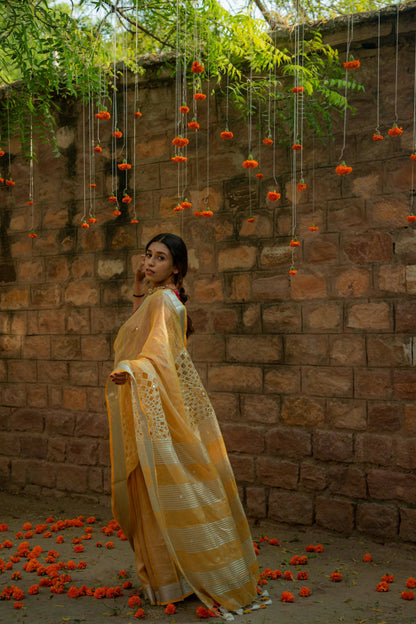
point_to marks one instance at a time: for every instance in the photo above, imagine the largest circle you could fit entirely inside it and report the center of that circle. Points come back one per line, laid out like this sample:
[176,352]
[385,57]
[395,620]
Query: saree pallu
[173,490]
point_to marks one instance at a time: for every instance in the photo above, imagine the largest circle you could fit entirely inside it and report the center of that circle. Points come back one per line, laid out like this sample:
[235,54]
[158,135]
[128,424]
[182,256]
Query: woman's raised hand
[119,378]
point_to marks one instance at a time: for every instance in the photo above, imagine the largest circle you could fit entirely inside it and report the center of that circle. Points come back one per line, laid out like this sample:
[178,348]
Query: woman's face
[158,265]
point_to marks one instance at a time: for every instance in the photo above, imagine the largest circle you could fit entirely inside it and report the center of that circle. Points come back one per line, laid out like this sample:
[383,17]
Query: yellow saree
[173,490]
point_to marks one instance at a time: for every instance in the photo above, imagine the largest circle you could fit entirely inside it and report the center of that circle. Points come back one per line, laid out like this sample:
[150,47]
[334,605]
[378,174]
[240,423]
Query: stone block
[240,287]
[72,479]
[271,288]
[374,383]
[331,445]
[306,349]
[37,395]
[282,380]
[82,267]
[46,296]
[208,349]
[243,257]
[104,453]
[405,316]
[349,482]
[83,375]
[303,411]
[92,425]
[225,405]
[389,350]
[335,515]
[56,450]
[14,395]
[256,502]
[308,286]
[96,400]
[53,372]
[347,214]
[59,423]
[57,269]
[407,529]
[347,414]
[95,480]
[243,438]
[95,348]
[251,317]
[253,349]
[370,316]
[51,322]
[368,247]
[26,419]
[381,521]
[74,398]
[353,282]
[275,256]
[384,416]
[235,378]
[277,473]
[389,485]
[82,293]
[290,507]
[288,442]
[225,321]
[36,347]
[327,381]
[391,278]
[347,349]
[322,250]
[410,418]
[34,446]
[20,471]
[260,409]
[30,270]
[404,383]
[313,477]
[405,453]
[18,323]
[10,346]
[374,449]
[243,468]
[208,290]
[83,451]
[282,317]
[66,348]
[5,473]
[386,212]
[109,268]
[14,299]
[325,316]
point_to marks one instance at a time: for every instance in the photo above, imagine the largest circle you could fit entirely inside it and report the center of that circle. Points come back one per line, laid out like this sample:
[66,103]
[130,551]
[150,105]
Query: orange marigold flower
[304,592]
[100,592]
[199,96]
[60,539]
[85,225]
[383,587]
[18,594]
[82,565]
[126,198]
[273,195]
[90,520]
[193,125]
[100,544]
[178,208]
[413,157]
[395,131]
[297,147]
[367,558]
[127,585]
[274,542]
[259,175]
[408,595]
[186,204]
[112,198]
[180,141]
[301,186]
[294,242]
[70,565]
[7,543]
[411,583]
[10,182]
[250,163]
[117,134]
[268,140]
[298,89]
[140,614]
[226,134]
[351,65]
[313,228]
[261,582]
[276,574]
[134,601]
[411,218]
[170,609]
[179,158]
[2,153]
[378,137]
[207,213]
[30,202]
[197,68]
[1,180]
[203,612]
[98,149]
[302,575]
[124,166]
[388,578]
[103,115]
[319,548]
[250,219]
[19,535]
[197,213]
[92,219]
[32,234]
[33,589]
[18,605]
[336,577]
[343,169]
[134,221]
[109,545]
[137,114]
[16,576]
[288,575]
[292,271]
[286,596]
[73,592]
[184,109]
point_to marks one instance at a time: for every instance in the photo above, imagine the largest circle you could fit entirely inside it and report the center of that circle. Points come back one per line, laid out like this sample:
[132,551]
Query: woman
[174,494]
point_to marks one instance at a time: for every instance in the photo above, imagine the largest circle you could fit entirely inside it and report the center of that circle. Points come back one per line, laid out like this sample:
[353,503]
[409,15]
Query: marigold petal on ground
[287,597]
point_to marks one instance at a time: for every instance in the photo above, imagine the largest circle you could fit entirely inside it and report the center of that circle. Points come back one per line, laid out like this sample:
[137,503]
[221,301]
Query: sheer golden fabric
[174,493]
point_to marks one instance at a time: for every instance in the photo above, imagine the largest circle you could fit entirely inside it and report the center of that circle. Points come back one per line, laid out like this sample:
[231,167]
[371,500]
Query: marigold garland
[250,219]
[126,200]
[85,225]
[186,204]
[117,134]
[134,221]
[395,131]
[2,152]
[138,114]
[32,234]
[301,186]
[294,242]
[179,158]
[292,271]
[98,149]
[10,182]
[259,175]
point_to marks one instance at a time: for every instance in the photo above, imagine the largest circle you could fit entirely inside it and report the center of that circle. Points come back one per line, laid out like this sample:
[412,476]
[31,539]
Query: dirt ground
[353,600]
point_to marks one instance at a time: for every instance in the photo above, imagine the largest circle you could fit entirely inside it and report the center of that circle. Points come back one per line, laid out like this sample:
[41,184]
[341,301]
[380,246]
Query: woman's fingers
[119,378]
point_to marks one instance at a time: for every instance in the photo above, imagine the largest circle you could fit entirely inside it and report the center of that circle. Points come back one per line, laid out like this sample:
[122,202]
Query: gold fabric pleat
[173,490]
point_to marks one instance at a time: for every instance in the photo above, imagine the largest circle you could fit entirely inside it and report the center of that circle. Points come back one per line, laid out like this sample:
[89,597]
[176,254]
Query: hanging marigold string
[411,217]
[377,136]
[207,212]
[84,222]
[9,179]
[395,130]
[91,157]
[134,219]
[114,180]
[343,169]
[31,201]
[313,227]
[125,166]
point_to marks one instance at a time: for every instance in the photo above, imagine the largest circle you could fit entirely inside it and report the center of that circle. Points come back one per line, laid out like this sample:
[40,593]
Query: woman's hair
[179,253]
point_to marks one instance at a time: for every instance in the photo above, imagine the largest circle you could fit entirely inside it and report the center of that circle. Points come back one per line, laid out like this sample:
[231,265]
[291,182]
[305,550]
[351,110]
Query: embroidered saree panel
[173,490]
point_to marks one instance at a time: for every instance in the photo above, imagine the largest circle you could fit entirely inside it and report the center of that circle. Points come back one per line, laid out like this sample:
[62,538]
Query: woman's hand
[119,378]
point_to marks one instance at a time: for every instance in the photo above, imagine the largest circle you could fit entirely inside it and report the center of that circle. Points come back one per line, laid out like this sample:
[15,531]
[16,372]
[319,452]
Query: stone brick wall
[312,377]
